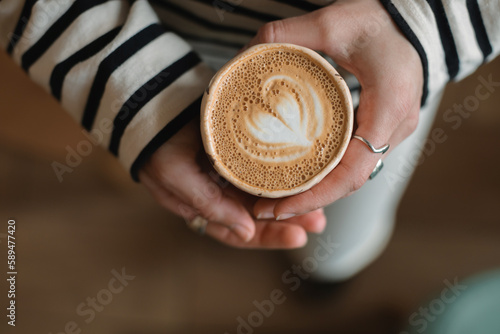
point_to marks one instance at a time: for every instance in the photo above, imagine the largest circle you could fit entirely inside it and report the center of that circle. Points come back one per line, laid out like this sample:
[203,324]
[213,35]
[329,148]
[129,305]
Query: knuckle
[207,200]
[314,199]
[165,174]
[406,108]
[324,22]
[412,122]
[403,105]
[409,114]
[186,211]
[270,32]
[357,183]
[209,215]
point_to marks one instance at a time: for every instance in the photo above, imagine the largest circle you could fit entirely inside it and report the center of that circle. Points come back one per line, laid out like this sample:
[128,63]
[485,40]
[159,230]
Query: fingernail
[242,231]
[265,215]
[285,216]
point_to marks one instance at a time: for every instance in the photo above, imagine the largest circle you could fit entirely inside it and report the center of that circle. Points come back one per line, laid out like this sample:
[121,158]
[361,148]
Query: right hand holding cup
[361,37]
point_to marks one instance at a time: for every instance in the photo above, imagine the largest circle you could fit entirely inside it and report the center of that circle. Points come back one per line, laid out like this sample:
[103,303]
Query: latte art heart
[289,126]
[276,120]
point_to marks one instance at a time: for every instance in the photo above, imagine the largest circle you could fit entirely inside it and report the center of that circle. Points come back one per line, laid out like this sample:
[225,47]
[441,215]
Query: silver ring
[198,225]
[381,150]
[377,169]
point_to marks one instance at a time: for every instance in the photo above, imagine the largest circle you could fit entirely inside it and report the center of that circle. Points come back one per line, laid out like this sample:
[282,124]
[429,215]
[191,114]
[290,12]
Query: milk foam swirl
[276,120]
[291,126]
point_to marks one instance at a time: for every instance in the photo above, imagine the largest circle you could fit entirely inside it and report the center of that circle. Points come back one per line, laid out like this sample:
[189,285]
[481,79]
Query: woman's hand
[181,180]
[360,36]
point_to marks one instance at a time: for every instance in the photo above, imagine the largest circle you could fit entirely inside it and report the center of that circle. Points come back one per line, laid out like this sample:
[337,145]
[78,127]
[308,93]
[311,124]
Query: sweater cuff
[407,24]
[452,38]
[165,134]
[112,65]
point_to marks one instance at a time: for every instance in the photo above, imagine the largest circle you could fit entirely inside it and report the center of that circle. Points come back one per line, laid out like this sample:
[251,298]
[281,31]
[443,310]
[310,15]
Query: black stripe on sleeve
[56,30]
[412,38]
[21,24]
[63,68]
[200,20]
[447,40]
[302,4]
[196,38]
[146,93]
[479,28]
[221,6]
[165,134]
[220,42]
[111,63]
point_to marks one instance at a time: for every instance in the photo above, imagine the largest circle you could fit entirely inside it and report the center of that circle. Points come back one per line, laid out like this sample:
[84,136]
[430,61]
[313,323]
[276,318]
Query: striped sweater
[131,70]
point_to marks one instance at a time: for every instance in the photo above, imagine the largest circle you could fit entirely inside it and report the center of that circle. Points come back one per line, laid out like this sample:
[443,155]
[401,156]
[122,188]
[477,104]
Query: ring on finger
[377,169]
[381,150]
[198,225]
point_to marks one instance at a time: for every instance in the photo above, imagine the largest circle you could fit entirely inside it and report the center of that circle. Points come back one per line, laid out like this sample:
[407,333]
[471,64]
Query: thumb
[301,30]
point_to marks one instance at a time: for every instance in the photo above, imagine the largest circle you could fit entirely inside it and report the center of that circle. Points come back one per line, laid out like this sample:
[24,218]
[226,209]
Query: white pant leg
[361,224]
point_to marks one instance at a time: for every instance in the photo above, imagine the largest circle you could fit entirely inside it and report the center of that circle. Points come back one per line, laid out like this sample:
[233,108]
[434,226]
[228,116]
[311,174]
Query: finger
[352,172]
[332,29]
[389,91]
[315,222]
[316,225]
[378,117]
[199,191]
[407,126]
[175,205]
[166,199]
[312,222]
[271,234]
[300,30]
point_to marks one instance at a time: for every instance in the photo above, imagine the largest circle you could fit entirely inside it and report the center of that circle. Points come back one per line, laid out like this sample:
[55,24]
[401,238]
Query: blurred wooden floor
[71,235]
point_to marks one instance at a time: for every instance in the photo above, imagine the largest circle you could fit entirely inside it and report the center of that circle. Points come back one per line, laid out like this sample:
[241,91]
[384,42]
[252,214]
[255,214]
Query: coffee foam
[276,120]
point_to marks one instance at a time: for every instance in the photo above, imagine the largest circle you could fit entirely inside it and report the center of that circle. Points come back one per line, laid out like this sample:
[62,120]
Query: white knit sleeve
[113,66]
[452,37]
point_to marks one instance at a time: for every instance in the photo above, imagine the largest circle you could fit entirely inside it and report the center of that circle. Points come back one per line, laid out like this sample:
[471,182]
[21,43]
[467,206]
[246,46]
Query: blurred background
[73,237]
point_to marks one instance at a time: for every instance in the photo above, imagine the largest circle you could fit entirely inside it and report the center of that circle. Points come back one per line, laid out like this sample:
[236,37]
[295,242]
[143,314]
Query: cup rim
[208,99]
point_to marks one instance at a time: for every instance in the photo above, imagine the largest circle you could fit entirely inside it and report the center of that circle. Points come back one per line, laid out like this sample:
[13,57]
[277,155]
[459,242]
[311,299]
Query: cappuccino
[276,120]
